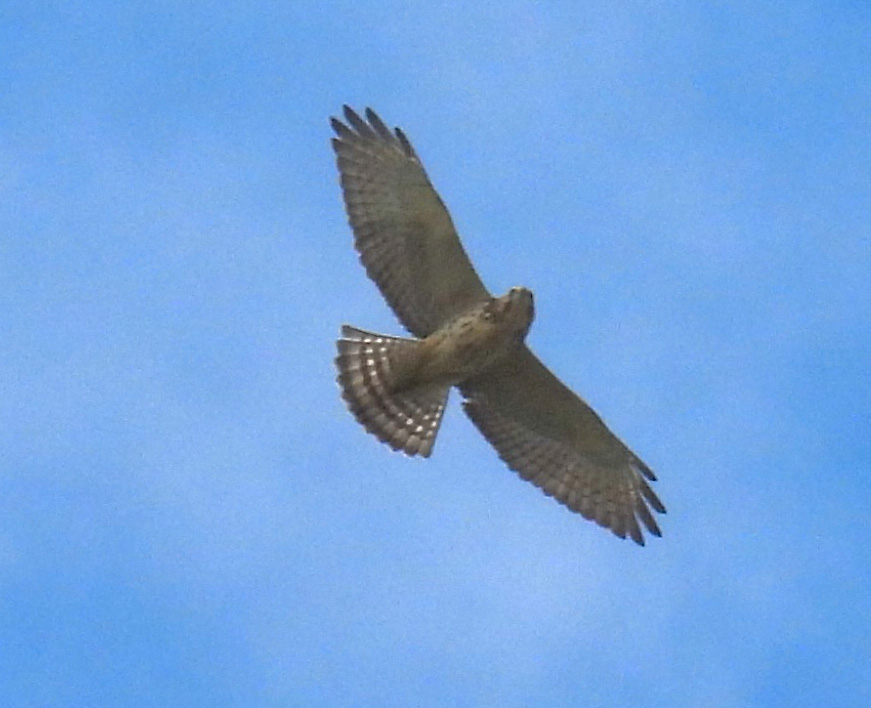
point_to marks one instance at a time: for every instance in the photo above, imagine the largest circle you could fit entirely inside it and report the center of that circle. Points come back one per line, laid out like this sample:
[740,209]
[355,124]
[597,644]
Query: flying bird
[398,387]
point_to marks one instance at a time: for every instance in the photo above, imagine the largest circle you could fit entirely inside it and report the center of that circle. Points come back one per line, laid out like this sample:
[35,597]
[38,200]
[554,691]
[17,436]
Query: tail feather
[408,419]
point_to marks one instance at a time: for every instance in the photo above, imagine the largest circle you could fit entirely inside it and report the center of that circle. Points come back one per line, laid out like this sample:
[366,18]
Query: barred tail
[407,420]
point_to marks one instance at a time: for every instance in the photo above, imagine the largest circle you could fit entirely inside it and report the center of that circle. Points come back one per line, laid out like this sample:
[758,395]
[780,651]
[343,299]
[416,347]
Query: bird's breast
[465,347]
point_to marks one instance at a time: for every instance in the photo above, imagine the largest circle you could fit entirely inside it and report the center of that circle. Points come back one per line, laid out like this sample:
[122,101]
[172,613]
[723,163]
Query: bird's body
[397,388]
[475,340]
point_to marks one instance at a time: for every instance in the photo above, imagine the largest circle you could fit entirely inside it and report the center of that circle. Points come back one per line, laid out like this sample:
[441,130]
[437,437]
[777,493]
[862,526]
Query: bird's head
[515,308]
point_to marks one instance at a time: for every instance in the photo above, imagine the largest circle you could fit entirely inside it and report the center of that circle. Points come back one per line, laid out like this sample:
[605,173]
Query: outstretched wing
[402,230]
[549,436]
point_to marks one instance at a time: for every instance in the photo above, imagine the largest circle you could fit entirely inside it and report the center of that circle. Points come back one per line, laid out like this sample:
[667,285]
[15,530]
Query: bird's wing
[402,230]
[552,438]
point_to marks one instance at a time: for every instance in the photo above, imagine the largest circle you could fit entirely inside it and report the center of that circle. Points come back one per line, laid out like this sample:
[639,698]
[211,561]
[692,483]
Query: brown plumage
[398,388]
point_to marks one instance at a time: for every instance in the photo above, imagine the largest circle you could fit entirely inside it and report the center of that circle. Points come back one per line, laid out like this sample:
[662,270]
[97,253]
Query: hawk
[397,387]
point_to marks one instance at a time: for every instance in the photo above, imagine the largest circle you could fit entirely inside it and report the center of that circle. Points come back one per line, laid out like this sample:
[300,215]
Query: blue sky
[188,515]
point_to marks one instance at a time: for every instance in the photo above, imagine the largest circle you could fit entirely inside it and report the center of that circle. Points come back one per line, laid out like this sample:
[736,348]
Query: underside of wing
[402,230]
[552,438]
